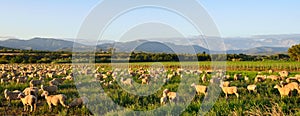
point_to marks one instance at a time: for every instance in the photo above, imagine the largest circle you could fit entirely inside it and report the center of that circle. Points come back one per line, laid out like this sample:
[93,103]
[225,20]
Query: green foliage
[294,52]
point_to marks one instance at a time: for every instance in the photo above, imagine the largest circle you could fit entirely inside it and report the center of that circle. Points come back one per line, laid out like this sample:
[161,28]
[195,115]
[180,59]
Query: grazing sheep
[284,91]
[237,77]
[273,77]
[4,80]
[55,99]
[22,79]
[51,89]
[225,83]
[127,81]
[78,102]
[290,79]
[200,88]
[246,78]
[163,99]
[293,86]
[260,78]
[28,100]
[251,88]
[11,95]
[284,73]
[34,83]
[145,80]
[171,95]
[31,91]
[57,81]
[230,90]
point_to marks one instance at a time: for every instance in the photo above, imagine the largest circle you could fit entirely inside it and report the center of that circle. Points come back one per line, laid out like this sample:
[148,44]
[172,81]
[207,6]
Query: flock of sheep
[36,75]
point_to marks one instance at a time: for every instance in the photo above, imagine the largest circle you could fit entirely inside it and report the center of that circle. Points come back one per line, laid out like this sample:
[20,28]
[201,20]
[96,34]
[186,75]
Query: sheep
[31,91]
[171,95]
[34,83]
[237,77]
[145,79]
[293,86]
[284,91]
[11,95]
[55,99]
[57,81]
[21,80]
[225,83]
[78,102]
[284,73]
[260,78]
[4,80]
[292,79]
[251,88]
[51,89]
[246,78]
[199,88]
[127,81]
[229,90]
[28,100]
[273,77]
[163,99]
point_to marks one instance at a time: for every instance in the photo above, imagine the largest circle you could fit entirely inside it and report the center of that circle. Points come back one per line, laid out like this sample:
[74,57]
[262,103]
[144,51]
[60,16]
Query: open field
[266,100]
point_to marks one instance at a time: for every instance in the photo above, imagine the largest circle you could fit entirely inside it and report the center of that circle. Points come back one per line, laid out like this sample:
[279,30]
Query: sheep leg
[63,104]
[31,108]
[35,107]
[24,108]
[237,95]
[226,95]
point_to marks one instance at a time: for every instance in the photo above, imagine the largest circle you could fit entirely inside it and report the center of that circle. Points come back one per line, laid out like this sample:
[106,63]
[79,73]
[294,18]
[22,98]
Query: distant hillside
[46,44]
[260,50]
[152,46]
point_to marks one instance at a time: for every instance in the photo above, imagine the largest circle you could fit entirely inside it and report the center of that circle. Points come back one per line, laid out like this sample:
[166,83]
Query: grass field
[266,101]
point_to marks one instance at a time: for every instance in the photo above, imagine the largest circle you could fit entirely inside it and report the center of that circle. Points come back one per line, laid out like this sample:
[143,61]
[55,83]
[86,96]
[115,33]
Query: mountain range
[255,45]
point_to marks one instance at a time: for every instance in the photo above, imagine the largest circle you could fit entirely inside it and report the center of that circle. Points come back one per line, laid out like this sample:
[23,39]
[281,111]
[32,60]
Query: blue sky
[62,18]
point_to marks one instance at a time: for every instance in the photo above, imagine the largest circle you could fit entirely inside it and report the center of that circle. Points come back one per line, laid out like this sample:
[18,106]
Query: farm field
[265,100]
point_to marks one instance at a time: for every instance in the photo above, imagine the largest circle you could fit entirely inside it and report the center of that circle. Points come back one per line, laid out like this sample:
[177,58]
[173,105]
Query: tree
[294,52]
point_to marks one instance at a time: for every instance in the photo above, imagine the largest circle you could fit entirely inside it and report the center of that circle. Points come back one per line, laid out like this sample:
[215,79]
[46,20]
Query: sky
[25,19]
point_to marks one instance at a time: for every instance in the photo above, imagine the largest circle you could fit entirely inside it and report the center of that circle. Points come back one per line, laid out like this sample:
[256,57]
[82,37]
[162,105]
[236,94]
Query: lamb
[171,95]
[31,91]
[230,90]
[78,102]
[284,91]
[199,88]
[28,100]
[251,88]
[55,99]
[51,89]
[292,79]
[11,95]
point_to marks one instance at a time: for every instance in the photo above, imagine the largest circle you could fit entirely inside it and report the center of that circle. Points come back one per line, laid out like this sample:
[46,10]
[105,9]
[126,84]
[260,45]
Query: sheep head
[21,95]
[45,93]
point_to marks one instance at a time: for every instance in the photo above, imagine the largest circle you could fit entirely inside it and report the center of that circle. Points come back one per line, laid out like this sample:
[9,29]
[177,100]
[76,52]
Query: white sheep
[31,91]
[171,95]
[28,100]
[284,73]
[11,95]
[55,99]
[51,89]
[284,91]
[293,86]
[260,78]
[229,90]
[127,81]
[163,99]
[251,88]
[78,102]
[273,77]
[34,83]
[200,88]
